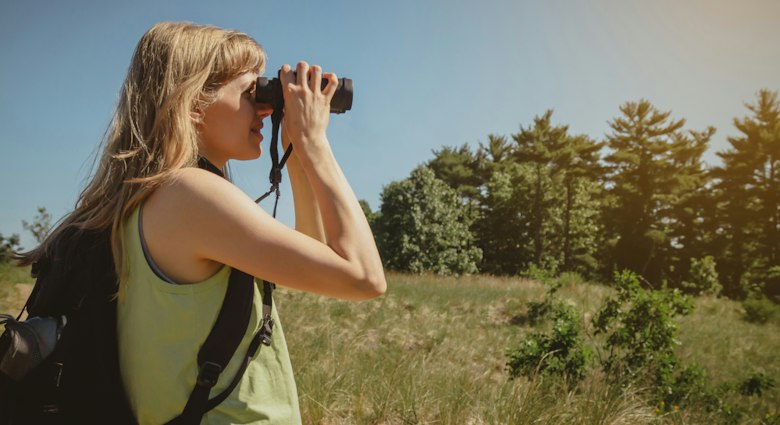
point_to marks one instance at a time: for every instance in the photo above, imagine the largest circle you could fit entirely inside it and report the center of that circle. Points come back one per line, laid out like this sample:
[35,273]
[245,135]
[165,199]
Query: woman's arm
[307,113]
[307,213]
[215,221]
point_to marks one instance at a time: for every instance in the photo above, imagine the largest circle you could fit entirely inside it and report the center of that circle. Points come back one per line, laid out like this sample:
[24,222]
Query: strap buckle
[209,374]
[266,330]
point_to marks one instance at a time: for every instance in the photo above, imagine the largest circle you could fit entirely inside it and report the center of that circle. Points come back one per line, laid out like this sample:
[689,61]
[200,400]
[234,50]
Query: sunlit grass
[433,351]
[14,285]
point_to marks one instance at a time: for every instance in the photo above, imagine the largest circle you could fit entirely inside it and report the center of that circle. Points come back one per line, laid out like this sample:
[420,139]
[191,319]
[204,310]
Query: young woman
[177,230]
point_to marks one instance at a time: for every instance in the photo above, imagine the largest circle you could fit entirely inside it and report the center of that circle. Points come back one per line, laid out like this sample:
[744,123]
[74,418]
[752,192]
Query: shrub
[641,333]
[759,309]
[703,277]
[756,384]
[8,245]
[561,352]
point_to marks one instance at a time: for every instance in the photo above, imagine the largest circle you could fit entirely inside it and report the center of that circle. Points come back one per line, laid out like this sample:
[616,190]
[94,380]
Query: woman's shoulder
[197,187]
[181,217]
[192,179]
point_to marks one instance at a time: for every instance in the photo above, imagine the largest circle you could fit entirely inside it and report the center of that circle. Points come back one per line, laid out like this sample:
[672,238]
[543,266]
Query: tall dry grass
[433,351]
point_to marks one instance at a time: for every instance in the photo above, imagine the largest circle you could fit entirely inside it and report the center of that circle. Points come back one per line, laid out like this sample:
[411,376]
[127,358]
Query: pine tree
[502,228]
[458,167]
[689,203]
[540,146]
[641,180]
[578,162]
[748,185]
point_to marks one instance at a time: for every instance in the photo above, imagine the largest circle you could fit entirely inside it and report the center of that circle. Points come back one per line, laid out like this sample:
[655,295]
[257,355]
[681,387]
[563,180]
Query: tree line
[640,199]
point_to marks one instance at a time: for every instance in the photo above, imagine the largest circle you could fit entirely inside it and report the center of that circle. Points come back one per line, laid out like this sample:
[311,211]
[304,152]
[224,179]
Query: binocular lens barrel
[270,92]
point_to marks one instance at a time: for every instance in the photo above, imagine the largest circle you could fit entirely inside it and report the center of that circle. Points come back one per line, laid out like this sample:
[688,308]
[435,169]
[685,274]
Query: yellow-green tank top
[161,327]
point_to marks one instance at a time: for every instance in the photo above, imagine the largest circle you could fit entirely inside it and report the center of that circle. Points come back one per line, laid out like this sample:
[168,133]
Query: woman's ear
[196,114]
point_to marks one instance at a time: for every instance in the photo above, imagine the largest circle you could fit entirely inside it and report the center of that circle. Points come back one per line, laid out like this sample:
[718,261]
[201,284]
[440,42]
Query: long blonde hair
[176,70]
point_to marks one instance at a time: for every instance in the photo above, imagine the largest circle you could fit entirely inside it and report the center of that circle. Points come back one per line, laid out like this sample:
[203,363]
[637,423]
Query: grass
[15,284]
[433,351]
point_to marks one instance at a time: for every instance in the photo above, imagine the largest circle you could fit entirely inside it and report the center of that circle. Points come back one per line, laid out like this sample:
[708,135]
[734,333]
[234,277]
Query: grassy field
[433,351]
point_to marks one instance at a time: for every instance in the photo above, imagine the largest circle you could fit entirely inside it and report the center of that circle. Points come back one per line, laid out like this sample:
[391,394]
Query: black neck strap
[207,165]
[275,176]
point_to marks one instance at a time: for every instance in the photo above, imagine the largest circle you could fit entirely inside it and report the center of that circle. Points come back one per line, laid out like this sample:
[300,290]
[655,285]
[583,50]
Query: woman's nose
[263,109]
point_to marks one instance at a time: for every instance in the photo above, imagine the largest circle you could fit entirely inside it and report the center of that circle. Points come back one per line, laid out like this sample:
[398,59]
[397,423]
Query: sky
[427,74]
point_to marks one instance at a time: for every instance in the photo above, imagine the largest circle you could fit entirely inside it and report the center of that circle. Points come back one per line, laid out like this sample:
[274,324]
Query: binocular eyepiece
[270,92]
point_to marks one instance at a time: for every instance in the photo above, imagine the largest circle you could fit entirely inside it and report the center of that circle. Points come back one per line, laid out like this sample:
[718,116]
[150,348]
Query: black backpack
[80,381]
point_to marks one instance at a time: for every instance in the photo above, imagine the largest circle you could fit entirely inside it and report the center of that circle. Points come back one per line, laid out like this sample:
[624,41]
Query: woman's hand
[306,105]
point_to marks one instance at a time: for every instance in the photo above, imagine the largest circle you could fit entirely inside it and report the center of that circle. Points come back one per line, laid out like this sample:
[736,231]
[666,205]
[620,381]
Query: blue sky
[427,73]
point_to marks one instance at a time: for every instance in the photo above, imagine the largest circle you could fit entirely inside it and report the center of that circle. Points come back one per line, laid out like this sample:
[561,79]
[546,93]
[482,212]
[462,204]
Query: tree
[653,166]
[688,210]
[458,168]
[40,226]
[8,245]
[425,226]
[503,226]
[578,164]
[748,185]
[540,145]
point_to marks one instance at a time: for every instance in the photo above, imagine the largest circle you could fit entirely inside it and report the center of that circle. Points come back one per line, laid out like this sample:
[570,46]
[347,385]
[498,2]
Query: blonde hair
[176,70]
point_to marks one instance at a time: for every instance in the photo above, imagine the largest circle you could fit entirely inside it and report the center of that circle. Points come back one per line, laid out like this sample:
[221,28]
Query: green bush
[640,332]
[561,352]
[756,384]
[759,309]
[703,277]
[8,245]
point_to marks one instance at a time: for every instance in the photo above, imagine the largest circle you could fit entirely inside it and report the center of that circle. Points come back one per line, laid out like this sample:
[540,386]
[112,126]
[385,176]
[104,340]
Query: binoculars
[270,92]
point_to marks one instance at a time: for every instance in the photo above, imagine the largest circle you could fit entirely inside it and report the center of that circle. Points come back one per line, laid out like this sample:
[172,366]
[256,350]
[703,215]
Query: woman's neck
[205,164]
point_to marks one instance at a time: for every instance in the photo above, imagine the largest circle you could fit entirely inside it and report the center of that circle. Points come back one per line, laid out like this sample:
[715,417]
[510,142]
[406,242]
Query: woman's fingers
[303,73]
[333,83]
[286,75]
[310,77]
[315,80]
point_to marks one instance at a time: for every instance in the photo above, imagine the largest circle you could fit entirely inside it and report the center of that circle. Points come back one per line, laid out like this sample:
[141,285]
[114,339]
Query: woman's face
[230,126]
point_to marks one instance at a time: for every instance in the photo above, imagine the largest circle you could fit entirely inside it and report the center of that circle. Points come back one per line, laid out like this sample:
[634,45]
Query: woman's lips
[256,132]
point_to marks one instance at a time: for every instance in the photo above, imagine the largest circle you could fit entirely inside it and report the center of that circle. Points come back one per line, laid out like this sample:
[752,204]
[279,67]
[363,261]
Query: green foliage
[371,216]
[641,333]
[747,191]
[8,245]
[756,384]
[655,174]
[540,310]
[545,197]
[459,168]
[538,206]
[40,226]
[502,229]
[424,226]
[760,310]
[561,352]
[703,277]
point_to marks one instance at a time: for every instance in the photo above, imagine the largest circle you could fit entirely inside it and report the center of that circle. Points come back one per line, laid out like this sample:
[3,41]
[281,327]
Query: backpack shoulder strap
[222,343]
[225,337]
